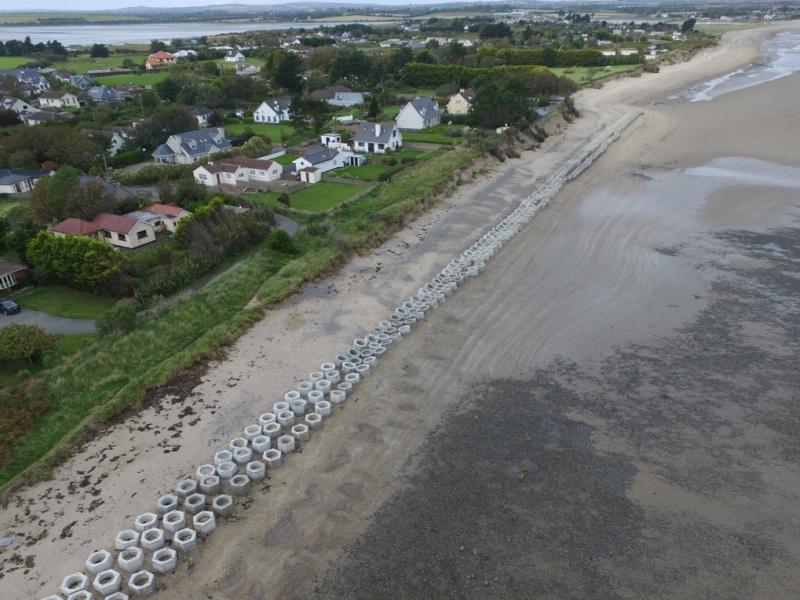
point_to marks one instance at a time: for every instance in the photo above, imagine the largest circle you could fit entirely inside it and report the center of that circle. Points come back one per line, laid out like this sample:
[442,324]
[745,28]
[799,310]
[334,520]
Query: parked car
[8,307]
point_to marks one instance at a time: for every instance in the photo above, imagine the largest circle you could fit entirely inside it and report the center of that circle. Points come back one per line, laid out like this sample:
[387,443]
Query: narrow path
[51,324]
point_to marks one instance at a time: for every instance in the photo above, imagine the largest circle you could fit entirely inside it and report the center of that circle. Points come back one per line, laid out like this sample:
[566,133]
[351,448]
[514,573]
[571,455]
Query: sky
[28,5]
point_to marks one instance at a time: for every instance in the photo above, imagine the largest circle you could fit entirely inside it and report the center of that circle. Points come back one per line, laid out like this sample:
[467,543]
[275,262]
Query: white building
[238,170]
[58,99]
[460,103]
[234,56]
[191,146]
[273,111]
[326,159]
[124,231]
[420,113]
[379,138]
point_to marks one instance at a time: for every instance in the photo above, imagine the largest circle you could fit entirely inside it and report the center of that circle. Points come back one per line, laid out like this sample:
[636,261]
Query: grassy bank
[65,302]
[113,373]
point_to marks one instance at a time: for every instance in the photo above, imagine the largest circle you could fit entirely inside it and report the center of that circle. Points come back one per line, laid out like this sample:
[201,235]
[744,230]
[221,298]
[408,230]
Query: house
[273,111]
[459,103]
[377,137]
[326,159]
[191,146]
[329,92]
[62,75]
[103,95]
[82,82]
[44,116]
[159,59]
[247,70]
[331,140]
[344,99]
[19,181]
[422,112]
[202,115]
[170,214]
[11,274]
[58,99]
[186,54]
[73,226]
[30,79]
[238,170]
[16,105]
[124,232]
[117,138]
[234,56]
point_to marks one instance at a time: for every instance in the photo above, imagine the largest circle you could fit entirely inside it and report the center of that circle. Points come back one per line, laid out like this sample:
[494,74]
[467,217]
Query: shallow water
[780,57]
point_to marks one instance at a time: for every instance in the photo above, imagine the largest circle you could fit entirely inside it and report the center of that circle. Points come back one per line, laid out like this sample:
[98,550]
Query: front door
[370,147]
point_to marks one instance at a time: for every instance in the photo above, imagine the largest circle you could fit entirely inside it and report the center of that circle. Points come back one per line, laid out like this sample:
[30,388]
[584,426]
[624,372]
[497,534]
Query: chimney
[377,129]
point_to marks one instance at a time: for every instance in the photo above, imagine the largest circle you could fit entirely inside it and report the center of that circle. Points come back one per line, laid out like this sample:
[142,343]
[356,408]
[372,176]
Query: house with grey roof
[103,95]
[19,181]
[379,138]
[273,111]
[32,79]
[45,116]
[319,160]
[191,146]
[422,112]
[16,105]
[82,82]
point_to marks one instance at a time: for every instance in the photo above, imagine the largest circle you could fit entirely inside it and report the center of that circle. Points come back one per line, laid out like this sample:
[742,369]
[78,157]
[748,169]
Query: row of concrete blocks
[302,410]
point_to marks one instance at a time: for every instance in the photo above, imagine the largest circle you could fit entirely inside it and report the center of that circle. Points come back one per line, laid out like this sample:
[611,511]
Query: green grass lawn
[434,135]
[64,302]
[390,112]
[83,63]
[583,75]
[7,206]
[367,172]
[141,79]
[319,197]
[272,130]
[286,159]
[12,62]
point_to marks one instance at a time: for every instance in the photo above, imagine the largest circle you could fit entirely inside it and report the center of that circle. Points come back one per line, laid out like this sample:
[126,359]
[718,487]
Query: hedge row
[433,75]
[553,58]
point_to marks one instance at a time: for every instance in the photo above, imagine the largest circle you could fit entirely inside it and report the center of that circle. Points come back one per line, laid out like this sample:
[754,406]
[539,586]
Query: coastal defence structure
[154,543]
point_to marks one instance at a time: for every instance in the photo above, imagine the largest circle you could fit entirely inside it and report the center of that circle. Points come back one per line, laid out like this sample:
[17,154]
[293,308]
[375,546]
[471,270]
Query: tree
[282,242]
[120,319]
[29,147]
[285,69]
[49,198]
[688,25]
[8,118]
[99,51]
[495,30]
[22,233]
[165,121]
[87,199]
[27,342]
[5,227]
[75,261]
[256,147]
[157,46]
[374,107]
[284,199]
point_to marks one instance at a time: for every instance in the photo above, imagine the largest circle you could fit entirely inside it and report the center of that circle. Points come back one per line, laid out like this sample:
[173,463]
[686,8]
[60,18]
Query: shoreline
[315,319]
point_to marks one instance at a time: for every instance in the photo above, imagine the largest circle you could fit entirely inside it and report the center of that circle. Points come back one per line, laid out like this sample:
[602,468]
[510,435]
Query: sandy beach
[606,412]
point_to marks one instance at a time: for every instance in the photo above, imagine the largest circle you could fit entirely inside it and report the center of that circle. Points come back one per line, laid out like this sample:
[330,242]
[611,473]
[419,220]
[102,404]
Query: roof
[115,223]
[234,163]
[468,94]
[73,226]
[10,176]
[168,210]
[199,111]
[319,154]
[366,132]
[309,170]
[160,55]
[202,141]
[329,92]
[7,267]
[54,94]
[424,106]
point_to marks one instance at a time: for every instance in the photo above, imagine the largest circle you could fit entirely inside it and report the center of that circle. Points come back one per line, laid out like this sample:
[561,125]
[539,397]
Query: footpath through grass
[113,373]
[65,302]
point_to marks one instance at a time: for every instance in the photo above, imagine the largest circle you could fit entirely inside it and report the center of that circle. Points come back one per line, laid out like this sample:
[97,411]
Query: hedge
[433,75]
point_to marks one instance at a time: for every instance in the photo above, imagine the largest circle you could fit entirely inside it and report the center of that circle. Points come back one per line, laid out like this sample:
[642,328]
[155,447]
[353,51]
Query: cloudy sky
[28,5]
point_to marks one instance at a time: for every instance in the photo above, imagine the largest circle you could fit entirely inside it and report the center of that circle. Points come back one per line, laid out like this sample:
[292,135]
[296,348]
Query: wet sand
[558,368]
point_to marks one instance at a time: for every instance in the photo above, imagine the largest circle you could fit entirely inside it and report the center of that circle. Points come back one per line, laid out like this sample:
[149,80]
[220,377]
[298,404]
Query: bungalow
[104,95]
[19,181]
[81,81]
[31,79]
[44,116]
[159,59]
[273,111]
[124,232]
[16,105]
[202,115]
[191,146]
[331,140]
[58,99]
[328,93]
[422,112]
[11,274]
[326,159]
[78,227]
[170,214]
[62,75]
[234,56]
[186,54]
[247,70]
[238,170]
[378,138]
[460,103]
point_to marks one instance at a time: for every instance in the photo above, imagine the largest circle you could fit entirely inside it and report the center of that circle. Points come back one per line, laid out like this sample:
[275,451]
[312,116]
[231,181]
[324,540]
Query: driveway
[51,324]
[288,225]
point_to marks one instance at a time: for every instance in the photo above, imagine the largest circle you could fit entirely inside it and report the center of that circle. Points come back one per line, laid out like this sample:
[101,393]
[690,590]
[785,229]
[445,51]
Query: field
[368,172]
[583,75]
[64,302]
[434,135]
[320,197]
[12,62]
[142,79]
[12,372]
[20,18]
[83,63]
[272,130]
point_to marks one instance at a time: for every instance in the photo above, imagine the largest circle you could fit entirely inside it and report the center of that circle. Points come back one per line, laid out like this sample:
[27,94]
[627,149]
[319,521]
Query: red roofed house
[171,213]
[124,231]
[73,226]
[11,274]
[160,59]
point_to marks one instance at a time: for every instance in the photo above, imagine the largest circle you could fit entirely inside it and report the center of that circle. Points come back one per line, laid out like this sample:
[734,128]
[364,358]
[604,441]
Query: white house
[310,175]
[124,231]
[379,138]
[191,146]
[273,111]
[459,103]
[16,105]
[19,181]
[202,115]
[333,140]
[169,213]
[420,113]
[326,159]
[345,99]
[234,56]
[238,170]
[185,54]
[57,99]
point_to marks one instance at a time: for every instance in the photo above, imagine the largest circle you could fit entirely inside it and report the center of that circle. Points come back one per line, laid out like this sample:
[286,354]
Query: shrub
[26,342]
[317,229]
[391,161]
[282,242]
[120,319]
[18,411]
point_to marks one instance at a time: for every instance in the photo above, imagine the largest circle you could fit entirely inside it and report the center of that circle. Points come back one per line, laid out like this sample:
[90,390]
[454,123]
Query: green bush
[128,157]
[120,319]
[282,242]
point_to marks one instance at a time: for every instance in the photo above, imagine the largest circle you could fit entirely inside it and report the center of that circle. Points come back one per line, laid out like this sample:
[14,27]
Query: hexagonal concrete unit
[185,540]
[127,538]
[107,582]
[131,560]
[153,539]
[204,522]
[142,583]
[164,560]
[99,561]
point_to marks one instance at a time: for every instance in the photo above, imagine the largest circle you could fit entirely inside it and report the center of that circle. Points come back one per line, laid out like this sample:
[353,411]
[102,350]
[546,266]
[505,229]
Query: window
[107,234]
[203,176]
[141,234]
[381,146]
[122,237]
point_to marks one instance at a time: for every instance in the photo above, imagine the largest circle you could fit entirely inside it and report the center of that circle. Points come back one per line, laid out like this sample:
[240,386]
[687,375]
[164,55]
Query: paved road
[51,324]
[285,223]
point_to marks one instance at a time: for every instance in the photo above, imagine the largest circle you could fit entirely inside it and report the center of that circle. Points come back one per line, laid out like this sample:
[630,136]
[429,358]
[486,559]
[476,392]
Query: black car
[8,307]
